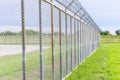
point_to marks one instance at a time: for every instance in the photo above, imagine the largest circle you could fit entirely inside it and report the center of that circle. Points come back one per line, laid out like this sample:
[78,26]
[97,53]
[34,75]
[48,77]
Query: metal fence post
[52,30]
[66,44]
[80,41]
[23,40]
[60,37]
[75,39]
[40,39]
[71,39]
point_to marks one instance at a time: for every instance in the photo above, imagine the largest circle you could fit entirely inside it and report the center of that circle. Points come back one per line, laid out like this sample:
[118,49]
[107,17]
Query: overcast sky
[106,13]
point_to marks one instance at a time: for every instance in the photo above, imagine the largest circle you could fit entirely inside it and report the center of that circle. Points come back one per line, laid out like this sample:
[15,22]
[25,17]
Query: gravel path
[16,49]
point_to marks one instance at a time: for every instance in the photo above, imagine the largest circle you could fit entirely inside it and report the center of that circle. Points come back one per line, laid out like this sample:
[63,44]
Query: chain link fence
[65,36]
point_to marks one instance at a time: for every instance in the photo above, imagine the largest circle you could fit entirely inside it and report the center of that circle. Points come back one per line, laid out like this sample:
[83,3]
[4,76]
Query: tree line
[28,32]
[32,32]
[117,32]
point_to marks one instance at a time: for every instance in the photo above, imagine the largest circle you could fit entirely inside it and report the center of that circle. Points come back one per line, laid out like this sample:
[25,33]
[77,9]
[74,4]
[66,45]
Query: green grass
[11,66]
[110,38]
[104,64]
[114,61]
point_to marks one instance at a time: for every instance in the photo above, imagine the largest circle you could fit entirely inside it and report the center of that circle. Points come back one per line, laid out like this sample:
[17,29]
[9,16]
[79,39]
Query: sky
[10,15]
[106,13]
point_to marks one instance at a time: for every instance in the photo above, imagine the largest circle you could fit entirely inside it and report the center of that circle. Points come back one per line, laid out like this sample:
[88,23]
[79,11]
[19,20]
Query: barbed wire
[76,8]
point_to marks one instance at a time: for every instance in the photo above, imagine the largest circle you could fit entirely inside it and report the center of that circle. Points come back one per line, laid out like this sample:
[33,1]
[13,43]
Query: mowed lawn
[11,66]
[104,64]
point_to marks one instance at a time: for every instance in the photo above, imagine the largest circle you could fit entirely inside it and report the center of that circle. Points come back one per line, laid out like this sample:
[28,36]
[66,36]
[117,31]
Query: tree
[105,33]
[30,32]
[7,33]
[117,32]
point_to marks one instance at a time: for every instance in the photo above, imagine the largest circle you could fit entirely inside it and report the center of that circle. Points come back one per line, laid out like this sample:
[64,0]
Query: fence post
[75,39]
[60,45]
[66,44]
[80,41]
[40,39]
[23,40]
[52,30]
[71,39]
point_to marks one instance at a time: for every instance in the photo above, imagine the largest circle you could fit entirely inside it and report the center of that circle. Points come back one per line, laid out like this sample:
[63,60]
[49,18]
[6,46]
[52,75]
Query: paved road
[16,49]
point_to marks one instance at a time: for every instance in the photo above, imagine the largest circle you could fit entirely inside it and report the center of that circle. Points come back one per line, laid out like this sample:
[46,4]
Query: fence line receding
[65,36]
